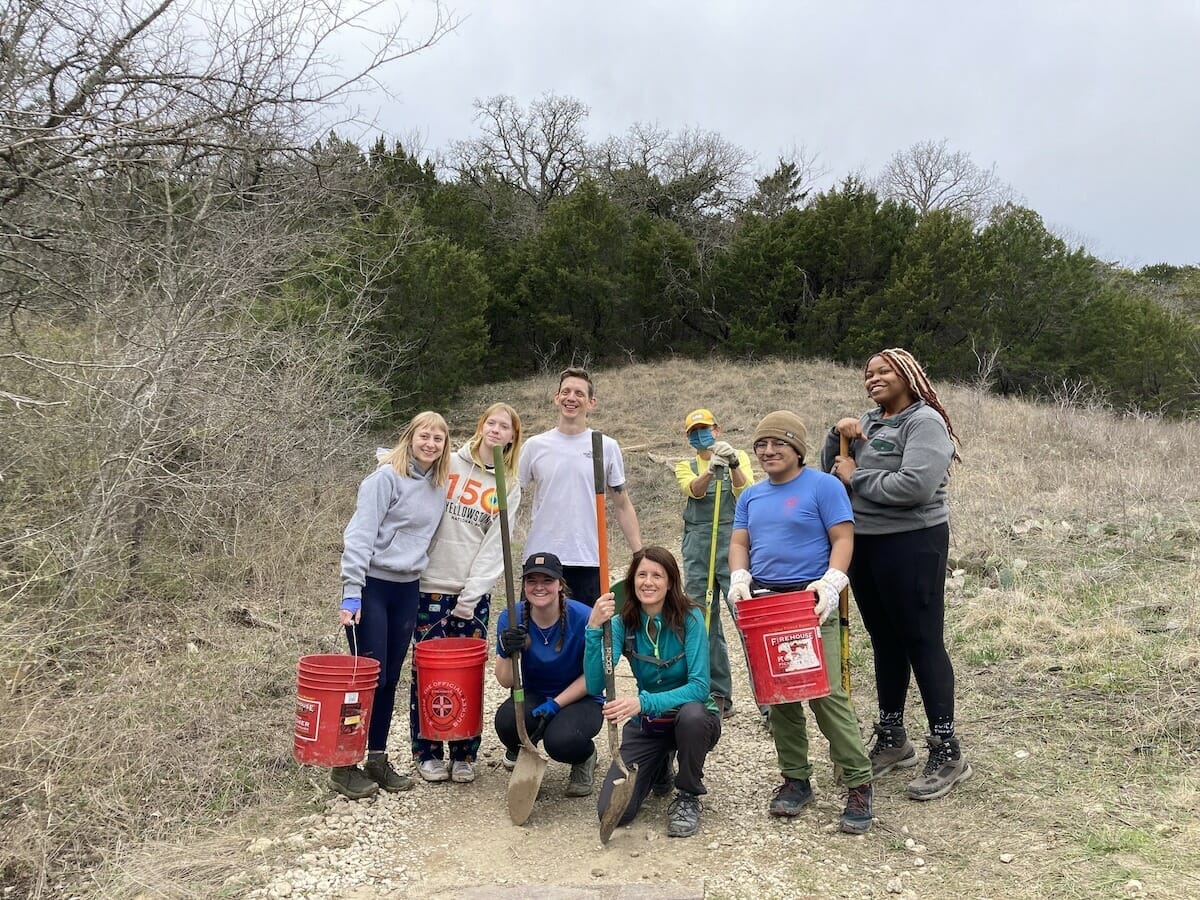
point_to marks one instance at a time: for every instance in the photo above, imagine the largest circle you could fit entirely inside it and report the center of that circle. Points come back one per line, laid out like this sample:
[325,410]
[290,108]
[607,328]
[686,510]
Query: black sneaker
[856,817]
[683,815]
[791,797]
[664,781]
[380,771]
[349,781]
[510,759]
[946,768]
[892,750]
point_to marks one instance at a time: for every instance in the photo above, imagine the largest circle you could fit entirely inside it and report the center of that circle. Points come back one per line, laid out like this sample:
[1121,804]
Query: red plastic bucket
[450,687]
[333,708]
[783,644]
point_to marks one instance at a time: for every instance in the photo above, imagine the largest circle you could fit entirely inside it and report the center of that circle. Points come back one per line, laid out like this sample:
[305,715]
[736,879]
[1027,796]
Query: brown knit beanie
[784,426]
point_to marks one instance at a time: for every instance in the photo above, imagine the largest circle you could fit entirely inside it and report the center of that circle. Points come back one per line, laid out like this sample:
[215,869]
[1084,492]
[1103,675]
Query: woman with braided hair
[549,635]
[896,473]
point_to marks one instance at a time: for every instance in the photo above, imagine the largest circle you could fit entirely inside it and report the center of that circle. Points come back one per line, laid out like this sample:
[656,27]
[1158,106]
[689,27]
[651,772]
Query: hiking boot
[791,797]
[510,759]
[856,817]
[946,768]
[727,709]
[580,782]
[462,771]
[892,750]
[380,771]
[683,815]
[349,781]
[664,781]
[433,769]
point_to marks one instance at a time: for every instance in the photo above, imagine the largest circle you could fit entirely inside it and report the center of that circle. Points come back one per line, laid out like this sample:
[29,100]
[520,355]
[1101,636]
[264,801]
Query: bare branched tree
[538,153]
[684,176]
[929,175]
[157,187]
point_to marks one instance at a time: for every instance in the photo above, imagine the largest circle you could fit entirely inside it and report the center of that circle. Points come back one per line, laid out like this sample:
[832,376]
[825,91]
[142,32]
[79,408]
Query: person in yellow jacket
[716,462]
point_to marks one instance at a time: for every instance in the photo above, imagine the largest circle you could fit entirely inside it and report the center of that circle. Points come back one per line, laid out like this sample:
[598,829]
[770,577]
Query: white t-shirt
[557,468]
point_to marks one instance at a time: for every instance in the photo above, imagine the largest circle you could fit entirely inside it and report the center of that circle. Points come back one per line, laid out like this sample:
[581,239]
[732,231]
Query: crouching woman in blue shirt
[661,632]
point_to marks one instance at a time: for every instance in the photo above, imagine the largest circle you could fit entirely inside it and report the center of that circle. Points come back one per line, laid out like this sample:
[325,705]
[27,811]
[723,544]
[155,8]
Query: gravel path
[446,840]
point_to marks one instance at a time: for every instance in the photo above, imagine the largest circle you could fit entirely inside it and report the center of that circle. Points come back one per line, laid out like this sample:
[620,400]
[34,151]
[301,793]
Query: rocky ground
[455,840]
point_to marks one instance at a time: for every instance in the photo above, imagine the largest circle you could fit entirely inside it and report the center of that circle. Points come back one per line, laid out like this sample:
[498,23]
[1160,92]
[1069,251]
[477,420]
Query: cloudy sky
[1090,110]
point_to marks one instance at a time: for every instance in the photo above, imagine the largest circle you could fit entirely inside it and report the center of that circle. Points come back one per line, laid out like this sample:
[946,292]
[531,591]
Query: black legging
[568,737]
[899,583]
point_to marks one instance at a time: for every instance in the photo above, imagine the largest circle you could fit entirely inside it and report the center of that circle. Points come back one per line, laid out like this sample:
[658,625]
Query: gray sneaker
[892,750]
[946,768]
[683,815]
[582,774]
[349,781]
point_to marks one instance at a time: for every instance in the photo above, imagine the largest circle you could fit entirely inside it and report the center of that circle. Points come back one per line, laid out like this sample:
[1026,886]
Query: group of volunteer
[423,552]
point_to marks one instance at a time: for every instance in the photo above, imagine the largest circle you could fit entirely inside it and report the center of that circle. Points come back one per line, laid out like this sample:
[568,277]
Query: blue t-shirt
[789,525]
[546,671]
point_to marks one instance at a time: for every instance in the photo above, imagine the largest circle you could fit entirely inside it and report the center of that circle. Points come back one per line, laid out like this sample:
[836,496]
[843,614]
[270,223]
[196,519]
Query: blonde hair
[400,456]
[512,452]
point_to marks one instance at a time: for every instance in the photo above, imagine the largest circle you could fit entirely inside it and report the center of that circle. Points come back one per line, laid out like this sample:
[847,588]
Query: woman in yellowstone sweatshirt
[465,559]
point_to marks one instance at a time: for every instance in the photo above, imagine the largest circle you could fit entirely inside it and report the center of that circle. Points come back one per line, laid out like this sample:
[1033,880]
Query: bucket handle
[442,622]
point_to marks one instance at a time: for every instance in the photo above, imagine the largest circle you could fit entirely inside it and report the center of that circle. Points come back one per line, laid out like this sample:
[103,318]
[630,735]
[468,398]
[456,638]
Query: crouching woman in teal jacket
[661,632]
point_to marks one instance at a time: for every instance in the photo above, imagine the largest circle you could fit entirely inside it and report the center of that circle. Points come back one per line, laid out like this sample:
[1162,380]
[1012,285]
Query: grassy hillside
[152,746]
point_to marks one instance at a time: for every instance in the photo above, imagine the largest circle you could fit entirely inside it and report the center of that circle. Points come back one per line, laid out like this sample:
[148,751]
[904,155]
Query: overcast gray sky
[1090,110]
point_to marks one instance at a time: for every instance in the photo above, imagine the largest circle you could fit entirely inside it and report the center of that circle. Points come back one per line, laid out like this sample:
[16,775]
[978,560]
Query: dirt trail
[439,840]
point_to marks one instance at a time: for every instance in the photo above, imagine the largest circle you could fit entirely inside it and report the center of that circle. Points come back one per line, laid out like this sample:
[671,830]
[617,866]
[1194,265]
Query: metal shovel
[526,776]
[622,790]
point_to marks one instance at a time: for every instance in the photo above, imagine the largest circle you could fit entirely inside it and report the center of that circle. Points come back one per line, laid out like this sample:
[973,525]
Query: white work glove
[828,587]
[739,586]
[725,451]
[464,608]
[717,467]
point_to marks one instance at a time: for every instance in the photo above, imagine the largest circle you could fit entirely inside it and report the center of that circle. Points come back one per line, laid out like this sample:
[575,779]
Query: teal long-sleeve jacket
[660,687]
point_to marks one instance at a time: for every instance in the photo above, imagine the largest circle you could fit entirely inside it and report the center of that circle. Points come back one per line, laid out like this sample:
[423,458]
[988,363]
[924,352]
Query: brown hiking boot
[380,771]
[892,750]
[946,768]
[349,781]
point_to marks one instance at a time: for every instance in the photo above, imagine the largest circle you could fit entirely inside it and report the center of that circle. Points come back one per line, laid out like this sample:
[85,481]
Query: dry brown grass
[1072,623]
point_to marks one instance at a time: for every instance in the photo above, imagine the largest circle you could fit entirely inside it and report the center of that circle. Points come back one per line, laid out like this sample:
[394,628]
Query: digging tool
[712,571]
[527,775]
[844,608]
[622,791]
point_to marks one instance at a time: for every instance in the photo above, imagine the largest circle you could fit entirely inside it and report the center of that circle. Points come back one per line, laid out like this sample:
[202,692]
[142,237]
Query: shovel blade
[524,783]
[622,793]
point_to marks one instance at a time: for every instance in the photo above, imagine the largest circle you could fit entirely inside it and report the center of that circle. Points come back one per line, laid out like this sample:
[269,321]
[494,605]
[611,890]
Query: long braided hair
[562,614]
[918,384]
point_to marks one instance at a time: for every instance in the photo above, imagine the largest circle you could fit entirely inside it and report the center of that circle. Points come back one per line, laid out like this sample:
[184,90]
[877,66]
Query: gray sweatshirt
[903,467]
[388,535]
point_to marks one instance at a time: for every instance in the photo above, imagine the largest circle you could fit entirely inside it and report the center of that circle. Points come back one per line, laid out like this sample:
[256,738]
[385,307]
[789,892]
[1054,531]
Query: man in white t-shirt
[556,466]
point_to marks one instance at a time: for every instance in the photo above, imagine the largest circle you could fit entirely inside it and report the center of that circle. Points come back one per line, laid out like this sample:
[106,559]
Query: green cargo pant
[696,544]
[835,717]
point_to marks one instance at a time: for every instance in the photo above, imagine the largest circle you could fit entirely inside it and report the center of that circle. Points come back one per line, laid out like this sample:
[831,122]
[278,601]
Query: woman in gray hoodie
[386,547]
[897,472]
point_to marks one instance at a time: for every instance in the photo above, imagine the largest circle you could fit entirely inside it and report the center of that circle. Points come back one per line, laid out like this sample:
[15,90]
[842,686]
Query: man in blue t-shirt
[792,532]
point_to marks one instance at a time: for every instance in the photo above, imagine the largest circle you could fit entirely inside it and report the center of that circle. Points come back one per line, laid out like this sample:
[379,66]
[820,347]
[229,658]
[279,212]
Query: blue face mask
[701,438]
